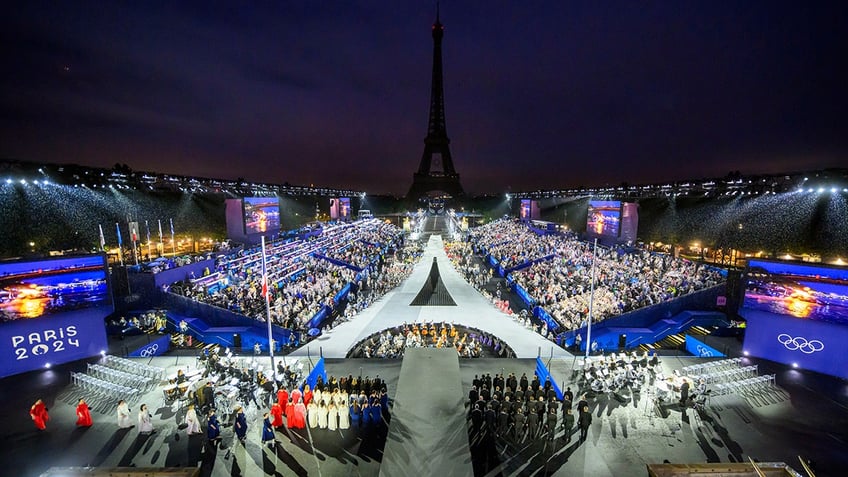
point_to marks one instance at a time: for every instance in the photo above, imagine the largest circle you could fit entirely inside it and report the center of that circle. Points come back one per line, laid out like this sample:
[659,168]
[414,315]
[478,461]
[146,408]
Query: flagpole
[149,243]
[591,304]
[102,238]
[120,244]
[133,226]
[173,241]
[265,291]
[161,240]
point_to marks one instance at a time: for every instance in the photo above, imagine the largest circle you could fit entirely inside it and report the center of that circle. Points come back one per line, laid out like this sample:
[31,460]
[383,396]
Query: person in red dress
[290,418]
[282,397]
[277,414]
[307,395]
[39,415]
[83,414]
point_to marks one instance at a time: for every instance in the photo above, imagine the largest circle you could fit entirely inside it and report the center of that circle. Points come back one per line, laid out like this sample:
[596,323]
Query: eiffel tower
[436,172]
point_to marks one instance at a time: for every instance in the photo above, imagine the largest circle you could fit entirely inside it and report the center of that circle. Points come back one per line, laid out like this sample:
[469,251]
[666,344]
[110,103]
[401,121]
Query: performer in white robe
[145,420]
[332,416]
[124,420]
[192,421]
[344,417]
[322,416]
[312,414]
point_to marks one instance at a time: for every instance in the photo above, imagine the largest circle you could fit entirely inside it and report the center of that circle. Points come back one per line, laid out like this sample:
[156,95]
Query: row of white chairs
[101,394]
[729,375]
[134,367]
[745,386]
[123,378]
[711,366]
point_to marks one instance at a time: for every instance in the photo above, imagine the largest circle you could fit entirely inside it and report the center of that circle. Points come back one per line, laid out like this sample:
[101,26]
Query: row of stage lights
[821,190]
[45,182]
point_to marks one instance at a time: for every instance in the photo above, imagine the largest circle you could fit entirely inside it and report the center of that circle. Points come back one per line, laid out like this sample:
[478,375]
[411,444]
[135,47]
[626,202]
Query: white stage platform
[393,309]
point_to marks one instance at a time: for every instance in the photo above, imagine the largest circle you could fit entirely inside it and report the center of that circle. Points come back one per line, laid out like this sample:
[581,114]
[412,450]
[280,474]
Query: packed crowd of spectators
[299,283]
[511,242]
[385,277]
[468,342]
[625,280]
[360,248]
[462,257]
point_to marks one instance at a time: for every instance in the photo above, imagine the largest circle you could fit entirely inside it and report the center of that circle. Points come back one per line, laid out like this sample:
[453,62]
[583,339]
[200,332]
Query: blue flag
[120,241]
[172,226]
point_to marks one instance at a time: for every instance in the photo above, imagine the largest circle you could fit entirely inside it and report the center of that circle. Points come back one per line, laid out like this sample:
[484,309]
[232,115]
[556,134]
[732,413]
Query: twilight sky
[539,94]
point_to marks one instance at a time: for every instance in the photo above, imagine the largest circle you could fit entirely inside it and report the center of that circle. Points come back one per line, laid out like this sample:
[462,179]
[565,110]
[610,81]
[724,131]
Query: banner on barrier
[154,348]
[700,349]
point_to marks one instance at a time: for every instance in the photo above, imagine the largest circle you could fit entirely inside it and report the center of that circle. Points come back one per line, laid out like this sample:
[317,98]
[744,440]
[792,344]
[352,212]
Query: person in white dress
[332,416]
[192,421]
[322,415]
[344,399]
[344,417]
[124,420]
[312,414]
[145,420]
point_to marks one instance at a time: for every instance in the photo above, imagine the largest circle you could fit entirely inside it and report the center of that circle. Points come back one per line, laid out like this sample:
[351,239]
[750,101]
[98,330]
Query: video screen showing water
[33,289]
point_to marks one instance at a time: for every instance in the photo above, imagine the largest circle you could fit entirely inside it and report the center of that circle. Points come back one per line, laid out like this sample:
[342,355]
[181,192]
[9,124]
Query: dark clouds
[538,94]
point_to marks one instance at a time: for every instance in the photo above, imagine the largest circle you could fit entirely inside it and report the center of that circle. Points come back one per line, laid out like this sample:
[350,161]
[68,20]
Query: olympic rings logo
[800,343]
[149,351]
[703,352]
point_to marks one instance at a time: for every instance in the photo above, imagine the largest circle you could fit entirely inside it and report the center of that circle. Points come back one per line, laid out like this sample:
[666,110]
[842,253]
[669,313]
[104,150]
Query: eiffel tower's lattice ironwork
[436,171]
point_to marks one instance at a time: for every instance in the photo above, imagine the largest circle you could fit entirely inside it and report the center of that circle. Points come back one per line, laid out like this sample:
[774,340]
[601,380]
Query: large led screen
[30,290]
[524,211]
[344,208]
[604,217]
[52,311]
[803,291]
[261,214]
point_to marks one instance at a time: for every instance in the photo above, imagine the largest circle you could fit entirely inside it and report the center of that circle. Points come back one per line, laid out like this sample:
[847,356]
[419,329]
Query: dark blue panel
[29,344]
[154,348]
[814,345]
[700,349]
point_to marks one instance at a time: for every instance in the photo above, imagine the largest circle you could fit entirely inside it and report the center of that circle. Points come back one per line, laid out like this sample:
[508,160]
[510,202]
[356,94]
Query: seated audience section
[552,273]
[52,311]
[797,315]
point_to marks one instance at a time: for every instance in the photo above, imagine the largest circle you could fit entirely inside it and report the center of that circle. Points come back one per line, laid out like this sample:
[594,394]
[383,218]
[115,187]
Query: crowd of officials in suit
[521,409]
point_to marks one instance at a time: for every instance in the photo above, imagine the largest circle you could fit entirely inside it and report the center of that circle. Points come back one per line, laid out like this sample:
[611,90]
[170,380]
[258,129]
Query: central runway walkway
[393,309]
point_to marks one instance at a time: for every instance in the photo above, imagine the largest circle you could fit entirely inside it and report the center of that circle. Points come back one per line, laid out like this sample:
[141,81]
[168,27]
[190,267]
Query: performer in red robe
[39,415]
[277,414]
[83,414]
[307,395]
[290,413]
[282,397]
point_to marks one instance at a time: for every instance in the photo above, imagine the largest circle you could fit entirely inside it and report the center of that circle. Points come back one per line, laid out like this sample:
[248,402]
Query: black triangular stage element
[433,293]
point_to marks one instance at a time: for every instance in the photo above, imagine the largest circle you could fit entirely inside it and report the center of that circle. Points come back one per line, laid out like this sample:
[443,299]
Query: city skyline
[548,96]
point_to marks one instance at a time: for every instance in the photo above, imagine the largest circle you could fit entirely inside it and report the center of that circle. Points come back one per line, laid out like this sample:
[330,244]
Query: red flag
[264,285]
